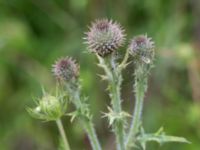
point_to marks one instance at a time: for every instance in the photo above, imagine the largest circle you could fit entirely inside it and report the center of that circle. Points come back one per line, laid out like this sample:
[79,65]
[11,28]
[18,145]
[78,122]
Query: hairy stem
[84,118]
[62,133]
[116,103]
[89,127]
[114,77]
[140,89]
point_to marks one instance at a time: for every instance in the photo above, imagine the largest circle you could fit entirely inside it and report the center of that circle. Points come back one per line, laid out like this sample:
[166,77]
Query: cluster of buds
[51,107]
[104,38]
[66,71]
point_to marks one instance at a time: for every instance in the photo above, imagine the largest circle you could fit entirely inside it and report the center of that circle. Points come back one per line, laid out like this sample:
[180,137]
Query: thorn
[103,77]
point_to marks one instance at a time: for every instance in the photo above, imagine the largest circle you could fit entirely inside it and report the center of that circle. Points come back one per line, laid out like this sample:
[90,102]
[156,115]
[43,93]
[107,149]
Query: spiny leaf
[159,137]
[113,116]
[162,138]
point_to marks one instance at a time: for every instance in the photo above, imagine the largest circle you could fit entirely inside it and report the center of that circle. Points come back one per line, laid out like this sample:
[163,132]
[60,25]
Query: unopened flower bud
[104,37]
[51,105]
[142,48]
[66,69]
[48,108]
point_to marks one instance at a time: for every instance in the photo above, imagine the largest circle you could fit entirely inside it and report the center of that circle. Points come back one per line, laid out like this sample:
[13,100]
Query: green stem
[115,80]
[140,89]
[116,103]
[87,121]
[89,127]
[62,133]
[119,132]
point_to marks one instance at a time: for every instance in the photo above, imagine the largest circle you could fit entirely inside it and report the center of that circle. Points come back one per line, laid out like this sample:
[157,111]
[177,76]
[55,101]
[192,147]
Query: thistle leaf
[159,137]
[113,116]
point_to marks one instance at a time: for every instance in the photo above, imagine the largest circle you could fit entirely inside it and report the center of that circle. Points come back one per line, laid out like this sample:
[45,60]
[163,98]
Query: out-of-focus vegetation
[33,33]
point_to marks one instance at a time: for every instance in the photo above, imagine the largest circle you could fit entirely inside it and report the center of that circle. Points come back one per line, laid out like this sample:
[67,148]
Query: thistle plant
[52,108]
[67,73]
[142,49]
[104,39]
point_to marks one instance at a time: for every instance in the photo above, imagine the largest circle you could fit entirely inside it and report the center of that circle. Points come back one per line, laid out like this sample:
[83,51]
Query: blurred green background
[34,33]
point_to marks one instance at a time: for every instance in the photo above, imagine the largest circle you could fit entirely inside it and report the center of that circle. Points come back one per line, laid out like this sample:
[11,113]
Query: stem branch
[85,119]
[140,89]
[113,72]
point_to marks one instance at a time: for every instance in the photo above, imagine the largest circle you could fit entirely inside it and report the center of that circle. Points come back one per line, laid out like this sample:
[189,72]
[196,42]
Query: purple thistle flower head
[104,37]
[66,69]
[142,48]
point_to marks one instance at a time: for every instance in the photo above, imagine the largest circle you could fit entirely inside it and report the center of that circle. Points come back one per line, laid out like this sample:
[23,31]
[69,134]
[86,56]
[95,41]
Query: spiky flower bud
[49,103]
[104,37]
[49,107]
[142,48]
[66,69]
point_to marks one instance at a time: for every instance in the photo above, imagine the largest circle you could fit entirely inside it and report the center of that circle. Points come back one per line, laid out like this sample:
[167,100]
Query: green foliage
[34,33]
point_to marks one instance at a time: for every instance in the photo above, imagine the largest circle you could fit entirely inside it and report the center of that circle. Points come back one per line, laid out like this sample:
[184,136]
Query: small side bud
[104,37]
[65,69]
[142,48]
[49,107]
